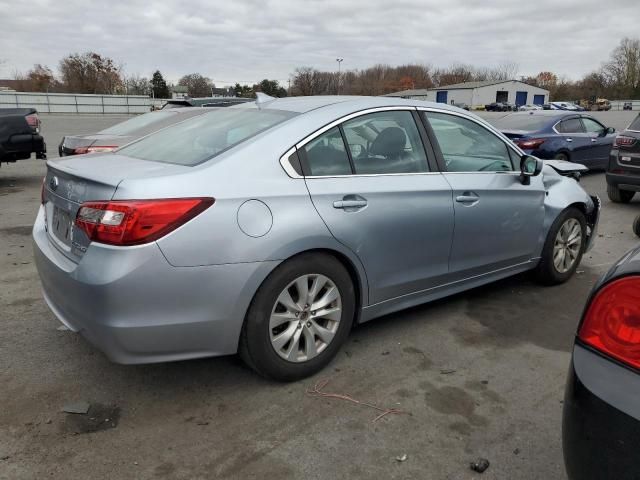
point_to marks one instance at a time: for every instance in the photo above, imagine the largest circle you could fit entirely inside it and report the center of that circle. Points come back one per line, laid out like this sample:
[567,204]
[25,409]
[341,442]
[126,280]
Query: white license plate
[61,225]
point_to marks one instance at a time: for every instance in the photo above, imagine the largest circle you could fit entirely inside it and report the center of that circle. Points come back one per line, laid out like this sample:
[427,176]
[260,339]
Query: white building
[477,94]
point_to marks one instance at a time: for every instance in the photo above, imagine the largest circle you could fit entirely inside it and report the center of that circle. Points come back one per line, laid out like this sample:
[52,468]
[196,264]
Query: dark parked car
[561,135]
[623,172]
[462,105]
[122,133]
[497,107]
[20,134]
[205,102]
[601,420]
[627,106]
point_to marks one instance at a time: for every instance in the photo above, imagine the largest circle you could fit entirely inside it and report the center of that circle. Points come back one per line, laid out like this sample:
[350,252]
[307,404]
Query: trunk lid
[515,134]
[73,180]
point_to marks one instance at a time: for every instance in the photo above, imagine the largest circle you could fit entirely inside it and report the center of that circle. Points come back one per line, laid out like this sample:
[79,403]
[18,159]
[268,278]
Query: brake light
[134,222]
[612,321]
[94,149]
[33,121]
[529,143]
[623,141]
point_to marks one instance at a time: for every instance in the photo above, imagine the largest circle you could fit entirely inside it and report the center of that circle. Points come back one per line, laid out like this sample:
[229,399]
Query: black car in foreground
[601,418]
[623,171]
[20,134]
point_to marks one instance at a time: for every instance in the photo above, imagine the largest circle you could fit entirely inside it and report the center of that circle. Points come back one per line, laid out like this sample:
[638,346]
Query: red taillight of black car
[624,141]
[529,143]
[33,121]
[612,321]
[134,222]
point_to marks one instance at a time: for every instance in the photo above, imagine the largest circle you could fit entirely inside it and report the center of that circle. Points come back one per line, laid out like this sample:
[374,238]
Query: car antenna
[263,99]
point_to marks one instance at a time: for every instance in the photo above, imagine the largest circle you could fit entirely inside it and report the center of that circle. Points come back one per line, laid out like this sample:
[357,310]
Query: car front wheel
[299,318]
[636,226]
[563,248]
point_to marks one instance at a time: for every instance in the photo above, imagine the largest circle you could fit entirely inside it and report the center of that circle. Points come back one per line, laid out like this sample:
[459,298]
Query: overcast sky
[246,40]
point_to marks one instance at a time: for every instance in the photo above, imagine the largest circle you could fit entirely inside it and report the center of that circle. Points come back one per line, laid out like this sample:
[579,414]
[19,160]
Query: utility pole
[339,60]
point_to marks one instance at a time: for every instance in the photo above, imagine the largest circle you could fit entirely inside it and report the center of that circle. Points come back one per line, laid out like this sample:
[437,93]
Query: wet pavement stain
[453,401]
[22,230]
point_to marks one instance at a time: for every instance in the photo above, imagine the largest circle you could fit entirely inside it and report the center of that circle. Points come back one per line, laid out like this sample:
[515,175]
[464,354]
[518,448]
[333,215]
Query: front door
[498,220]
[372,184]
[575,140]
[601,142]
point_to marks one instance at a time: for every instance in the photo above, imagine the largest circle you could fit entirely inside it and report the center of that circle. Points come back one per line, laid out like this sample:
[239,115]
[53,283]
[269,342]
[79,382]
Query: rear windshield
[528,123]
[136,123]
[201,138]
[635,125]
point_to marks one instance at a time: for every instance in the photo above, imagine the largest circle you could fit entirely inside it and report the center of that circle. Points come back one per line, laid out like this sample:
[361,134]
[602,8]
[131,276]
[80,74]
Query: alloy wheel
[305,318]
[567,245]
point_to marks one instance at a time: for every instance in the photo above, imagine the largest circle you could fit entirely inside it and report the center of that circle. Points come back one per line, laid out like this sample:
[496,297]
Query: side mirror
[530,166]
[609,130]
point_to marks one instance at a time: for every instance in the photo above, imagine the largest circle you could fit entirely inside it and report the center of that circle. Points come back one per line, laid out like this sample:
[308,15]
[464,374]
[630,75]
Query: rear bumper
[601,427]
[625,181]
[135,307]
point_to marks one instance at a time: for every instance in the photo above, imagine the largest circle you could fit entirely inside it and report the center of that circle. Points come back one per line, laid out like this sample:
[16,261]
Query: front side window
[591,126]
[571,125]
[326,154]
[467,146]
[385,142]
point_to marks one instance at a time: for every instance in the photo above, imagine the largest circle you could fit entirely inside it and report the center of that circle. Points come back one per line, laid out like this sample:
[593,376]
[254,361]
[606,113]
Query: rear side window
[203,137]
[571,125]
[327,155]
[385,142]
[467,146]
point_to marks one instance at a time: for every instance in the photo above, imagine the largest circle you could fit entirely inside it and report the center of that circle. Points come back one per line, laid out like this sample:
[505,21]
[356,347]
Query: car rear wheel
[563,248]
[562,156]
[299,318]
[619,196]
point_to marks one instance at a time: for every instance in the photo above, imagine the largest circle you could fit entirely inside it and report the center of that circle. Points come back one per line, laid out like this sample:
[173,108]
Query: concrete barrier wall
[78,104]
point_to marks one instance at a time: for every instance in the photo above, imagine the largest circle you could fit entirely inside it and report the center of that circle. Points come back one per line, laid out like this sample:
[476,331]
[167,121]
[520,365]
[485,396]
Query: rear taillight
[624,141]
[94,149]
[133,222]
[33,121]
[529,143]
[612,321]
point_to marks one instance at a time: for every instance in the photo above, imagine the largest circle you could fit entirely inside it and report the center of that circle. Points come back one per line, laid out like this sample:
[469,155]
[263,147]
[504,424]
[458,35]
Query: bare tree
[90,73]
[198,85]
[136,85]
[623,69]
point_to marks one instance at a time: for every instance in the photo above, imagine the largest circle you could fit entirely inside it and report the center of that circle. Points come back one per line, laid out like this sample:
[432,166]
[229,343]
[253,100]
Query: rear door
[574,139]
[498,220]
[372,179]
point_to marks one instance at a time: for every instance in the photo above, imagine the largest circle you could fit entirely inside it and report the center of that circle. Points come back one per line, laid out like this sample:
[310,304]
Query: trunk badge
[53,183]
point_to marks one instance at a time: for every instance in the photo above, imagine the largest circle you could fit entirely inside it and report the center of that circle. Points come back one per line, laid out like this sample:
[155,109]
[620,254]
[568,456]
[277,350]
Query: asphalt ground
[480,374]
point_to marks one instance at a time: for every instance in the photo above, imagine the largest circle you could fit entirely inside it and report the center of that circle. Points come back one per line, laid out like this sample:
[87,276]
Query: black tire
[255,346]
[562,156]
[636,226]
[619,196]
[546,271]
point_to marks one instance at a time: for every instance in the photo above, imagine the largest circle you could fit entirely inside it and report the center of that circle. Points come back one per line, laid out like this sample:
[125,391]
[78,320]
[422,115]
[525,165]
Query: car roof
[307,104]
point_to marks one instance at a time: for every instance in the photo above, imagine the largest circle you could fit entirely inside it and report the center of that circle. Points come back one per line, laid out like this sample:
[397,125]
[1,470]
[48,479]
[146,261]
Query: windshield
[527,123]
[141,121]
[201,138]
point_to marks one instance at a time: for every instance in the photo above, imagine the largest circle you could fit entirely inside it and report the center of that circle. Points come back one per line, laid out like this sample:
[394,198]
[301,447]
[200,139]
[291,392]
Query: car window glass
[591,126]
[571,125]
[635,125]
[326,154]
[385,142]
[467,146]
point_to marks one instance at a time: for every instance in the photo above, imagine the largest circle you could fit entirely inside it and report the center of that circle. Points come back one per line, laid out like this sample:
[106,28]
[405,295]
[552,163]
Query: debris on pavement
[447,371]
[401,458]
[516,451]
[62,328]
[480,465]
[316,391]
[79,408]
[100,417]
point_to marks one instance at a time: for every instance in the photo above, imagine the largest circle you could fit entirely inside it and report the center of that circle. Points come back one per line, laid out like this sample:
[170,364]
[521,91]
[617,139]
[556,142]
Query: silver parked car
[272,227]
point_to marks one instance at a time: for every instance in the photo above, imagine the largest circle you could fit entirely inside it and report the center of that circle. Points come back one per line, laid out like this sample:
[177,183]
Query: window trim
[575,117]
[497,133]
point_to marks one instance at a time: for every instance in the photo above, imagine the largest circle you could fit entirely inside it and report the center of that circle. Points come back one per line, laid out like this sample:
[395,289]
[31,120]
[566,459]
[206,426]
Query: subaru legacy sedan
[271,228]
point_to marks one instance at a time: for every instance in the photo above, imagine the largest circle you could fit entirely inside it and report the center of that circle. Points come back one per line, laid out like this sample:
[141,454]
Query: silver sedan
[271,228]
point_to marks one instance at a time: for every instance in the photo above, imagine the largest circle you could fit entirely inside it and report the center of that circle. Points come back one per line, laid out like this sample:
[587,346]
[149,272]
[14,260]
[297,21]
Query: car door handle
[350,204]
[569,139]
[593,140]
[468,197]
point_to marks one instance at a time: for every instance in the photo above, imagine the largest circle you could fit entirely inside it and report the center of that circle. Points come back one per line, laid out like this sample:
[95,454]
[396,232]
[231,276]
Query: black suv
[20,134]
[623,172]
